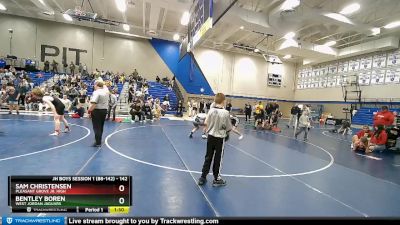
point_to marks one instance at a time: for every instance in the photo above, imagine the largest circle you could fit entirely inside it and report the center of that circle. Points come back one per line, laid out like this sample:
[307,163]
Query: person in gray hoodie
[304,124]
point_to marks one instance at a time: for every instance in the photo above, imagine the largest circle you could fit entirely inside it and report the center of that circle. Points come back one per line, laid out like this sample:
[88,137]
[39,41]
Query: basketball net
[78,11]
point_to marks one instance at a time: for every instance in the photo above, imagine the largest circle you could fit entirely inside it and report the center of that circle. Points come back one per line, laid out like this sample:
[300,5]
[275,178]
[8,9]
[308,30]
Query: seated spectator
[384,117]
[345,128]
[136,110]
[158,79]
[80,111]
[147,111]
[360,140]
[166,100]
[67,103]
[378,140]
[157,109]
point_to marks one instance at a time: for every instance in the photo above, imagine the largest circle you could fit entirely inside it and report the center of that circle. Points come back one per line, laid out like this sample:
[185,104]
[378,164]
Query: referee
[217,125]
[98,110]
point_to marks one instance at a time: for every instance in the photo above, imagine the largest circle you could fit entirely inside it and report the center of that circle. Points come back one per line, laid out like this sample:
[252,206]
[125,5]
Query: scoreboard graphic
[200,21]
[76,194]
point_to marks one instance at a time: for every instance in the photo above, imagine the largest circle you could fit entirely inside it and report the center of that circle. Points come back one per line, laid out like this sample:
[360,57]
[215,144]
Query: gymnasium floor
[268,175]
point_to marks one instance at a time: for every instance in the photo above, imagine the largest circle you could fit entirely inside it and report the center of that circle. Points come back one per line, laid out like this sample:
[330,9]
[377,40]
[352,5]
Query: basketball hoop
[79,11]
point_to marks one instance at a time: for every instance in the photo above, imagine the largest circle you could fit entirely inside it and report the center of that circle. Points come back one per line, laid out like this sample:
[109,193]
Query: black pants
[136,113]
[111,109]
[21,99]
[215,148]
[98,118]
[248,115]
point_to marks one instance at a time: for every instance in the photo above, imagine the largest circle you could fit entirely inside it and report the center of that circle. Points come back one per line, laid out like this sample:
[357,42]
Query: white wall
[244,75]
[335,94]
[120,54]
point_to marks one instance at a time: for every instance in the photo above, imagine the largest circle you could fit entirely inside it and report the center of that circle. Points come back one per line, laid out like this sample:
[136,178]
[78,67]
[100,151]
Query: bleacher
[157,90]
[364,115]
[38,81]
[90,87]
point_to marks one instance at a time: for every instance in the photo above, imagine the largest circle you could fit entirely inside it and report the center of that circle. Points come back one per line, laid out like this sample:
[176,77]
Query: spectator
[179,110]
[84,71]
[65,67]
[384,117]
[190,108]
[136,110]
[112,105]
[208,106]
[54,66]
[194,107]
[228,106]
[131,93]
[304,124]
[345,128]
[80,68]
[72,68]
[46,66]
[158,79]
[378,139]
[247,111]
[67,103]
[12,97]
[259,114]
[147,111]
[360,140]
[135,75]
[23,90]
[157,109]
[166,100]
[294,112]
[269,108]
[201,106]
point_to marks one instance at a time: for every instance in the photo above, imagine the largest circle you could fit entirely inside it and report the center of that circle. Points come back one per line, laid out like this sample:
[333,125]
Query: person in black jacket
[147,111]
[228,107]
[179,110]
[294,112]
[136,110]
[247,111]
[201,106]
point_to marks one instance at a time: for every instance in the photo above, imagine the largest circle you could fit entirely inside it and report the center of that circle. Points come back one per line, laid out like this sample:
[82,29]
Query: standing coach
[98,110]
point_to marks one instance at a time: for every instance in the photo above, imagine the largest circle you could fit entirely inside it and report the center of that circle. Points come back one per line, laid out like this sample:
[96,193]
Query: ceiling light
[376,31]
[338,17]
[287,56]
[330,43]
[289,43]
[2,7]
[49,13]
[67,17]
[42,2]
[126,27]
[121,5]
[185,18]
[350,9]
[392,25]
[242,27]
[289,35]
[256,50]
[127,34]
[176,37]
[289,5]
